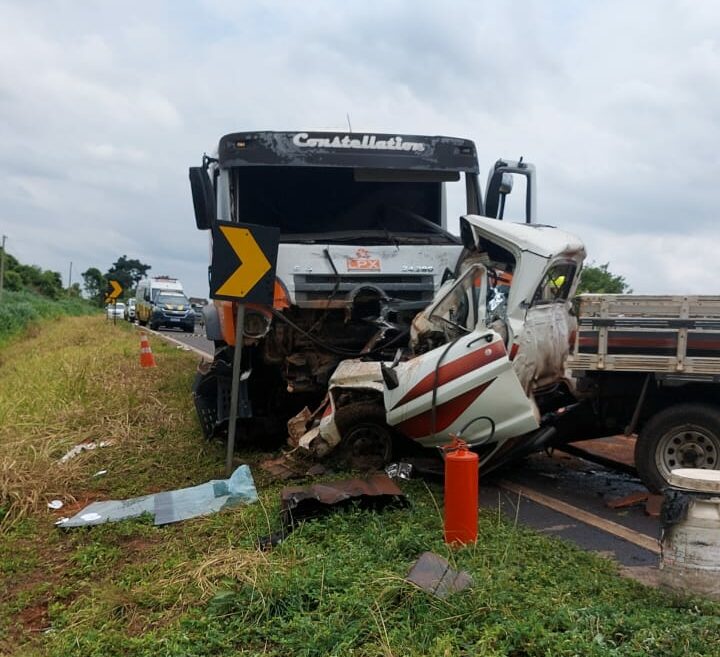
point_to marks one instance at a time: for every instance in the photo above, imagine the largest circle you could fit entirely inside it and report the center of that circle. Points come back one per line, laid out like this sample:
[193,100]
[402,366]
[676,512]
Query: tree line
[126,271]
[19,277]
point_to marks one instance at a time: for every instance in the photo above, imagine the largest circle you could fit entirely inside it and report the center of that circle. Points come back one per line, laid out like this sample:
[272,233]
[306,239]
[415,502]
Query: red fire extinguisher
[461,493]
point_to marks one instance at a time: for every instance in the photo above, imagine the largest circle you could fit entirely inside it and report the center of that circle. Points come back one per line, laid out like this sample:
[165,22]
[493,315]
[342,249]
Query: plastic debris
[84,447]
[55,504]
[172,506]
[401,470]
[433,574]
[100,473]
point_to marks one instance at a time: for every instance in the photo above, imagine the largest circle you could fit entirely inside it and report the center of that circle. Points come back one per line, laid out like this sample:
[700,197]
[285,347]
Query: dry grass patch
[76,382]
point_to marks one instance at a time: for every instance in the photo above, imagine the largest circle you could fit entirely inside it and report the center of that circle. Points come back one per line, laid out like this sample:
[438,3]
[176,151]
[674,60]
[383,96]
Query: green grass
[334,587]
[21,310]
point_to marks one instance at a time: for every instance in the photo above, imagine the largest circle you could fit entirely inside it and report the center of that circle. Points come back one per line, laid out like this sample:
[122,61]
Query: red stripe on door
[455,369]
[445,414]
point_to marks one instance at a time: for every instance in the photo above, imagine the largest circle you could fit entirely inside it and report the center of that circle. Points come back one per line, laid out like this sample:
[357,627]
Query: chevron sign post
[244,257]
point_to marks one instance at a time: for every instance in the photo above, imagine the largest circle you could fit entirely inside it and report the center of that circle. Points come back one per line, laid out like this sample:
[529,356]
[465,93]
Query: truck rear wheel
[366,438]
[682,436]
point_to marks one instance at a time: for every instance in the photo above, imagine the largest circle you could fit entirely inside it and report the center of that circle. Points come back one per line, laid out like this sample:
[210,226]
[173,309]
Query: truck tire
[682,436]
[366,438]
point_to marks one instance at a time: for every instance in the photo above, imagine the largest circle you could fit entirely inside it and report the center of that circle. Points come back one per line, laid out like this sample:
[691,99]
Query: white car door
[466,385]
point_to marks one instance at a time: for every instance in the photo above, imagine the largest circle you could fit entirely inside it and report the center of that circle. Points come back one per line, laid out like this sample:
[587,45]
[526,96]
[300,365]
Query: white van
[147,292]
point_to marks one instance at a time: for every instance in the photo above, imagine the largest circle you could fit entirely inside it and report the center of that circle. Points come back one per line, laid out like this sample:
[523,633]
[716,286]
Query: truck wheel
[366,438]
[682,436]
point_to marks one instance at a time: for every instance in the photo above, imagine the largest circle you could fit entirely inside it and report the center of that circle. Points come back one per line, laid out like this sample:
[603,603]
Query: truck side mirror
[203,197]
[500,184]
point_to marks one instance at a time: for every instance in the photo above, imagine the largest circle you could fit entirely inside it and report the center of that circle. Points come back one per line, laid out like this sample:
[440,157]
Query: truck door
[467,383]
[544,342]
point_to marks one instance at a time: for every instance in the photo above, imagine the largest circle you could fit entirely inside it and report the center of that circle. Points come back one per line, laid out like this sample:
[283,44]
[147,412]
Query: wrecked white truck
[364,247]
[504,359]
[486,360]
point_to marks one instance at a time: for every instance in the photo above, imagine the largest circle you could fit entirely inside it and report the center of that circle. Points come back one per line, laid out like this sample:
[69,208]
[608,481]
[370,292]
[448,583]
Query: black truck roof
[347,149]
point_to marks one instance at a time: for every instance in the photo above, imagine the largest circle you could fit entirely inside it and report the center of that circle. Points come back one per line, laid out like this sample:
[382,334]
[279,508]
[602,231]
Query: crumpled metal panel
[375,492]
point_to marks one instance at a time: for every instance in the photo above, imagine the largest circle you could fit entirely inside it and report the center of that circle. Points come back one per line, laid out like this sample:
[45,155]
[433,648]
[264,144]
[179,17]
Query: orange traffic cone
[146,356]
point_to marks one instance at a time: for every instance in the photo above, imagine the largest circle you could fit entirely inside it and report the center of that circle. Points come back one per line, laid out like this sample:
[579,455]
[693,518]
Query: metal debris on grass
[433,574]
[401,470]
[55,504]
[172,506]
[375,492]
[84,447]
[292,465]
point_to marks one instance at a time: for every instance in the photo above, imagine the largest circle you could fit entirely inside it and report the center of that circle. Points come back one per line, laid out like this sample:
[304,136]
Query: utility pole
[2,266]
[70,277]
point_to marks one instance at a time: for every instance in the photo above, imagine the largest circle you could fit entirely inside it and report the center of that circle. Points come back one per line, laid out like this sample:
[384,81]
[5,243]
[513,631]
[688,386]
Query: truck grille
[314,287]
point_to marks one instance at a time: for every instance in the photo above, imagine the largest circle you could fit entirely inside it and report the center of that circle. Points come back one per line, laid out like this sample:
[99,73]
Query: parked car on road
[130,310]
[172,309]
[115,310]
[198,310]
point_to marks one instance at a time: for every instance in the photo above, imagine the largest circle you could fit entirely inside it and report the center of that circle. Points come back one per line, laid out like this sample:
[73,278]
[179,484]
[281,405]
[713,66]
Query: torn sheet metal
[297,426]
[172,506]
[375,492]
[433,574]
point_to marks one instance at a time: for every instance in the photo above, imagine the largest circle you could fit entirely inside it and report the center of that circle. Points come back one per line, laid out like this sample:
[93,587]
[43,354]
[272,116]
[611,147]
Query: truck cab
[364,245]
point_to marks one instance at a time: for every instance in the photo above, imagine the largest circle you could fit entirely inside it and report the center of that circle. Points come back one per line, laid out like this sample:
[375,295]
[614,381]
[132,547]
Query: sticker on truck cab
[363,262]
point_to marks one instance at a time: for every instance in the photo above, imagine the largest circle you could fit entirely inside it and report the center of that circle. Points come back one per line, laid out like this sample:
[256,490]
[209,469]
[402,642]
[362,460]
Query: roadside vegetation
[20,311]
[333,587]
[31,294]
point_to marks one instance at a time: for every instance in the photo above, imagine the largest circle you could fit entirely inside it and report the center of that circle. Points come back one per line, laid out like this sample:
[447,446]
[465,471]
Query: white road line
[630,535]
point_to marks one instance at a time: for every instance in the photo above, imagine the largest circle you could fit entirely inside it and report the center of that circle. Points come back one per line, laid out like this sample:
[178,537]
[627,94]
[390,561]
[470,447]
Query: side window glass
[556,284]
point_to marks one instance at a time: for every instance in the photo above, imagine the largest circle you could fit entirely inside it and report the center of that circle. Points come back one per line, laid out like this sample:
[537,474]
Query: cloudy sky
[104,105]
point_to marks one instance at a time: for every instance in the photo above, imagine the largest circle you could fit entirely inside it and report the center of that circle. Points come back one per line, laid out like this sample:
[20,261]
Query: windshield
[347,205]
[172,299]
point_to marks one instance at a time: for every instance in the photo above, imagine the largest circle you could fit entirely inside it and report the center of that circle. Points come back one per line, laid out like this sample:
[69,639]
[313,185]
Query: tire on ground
[367,440]
[681,436]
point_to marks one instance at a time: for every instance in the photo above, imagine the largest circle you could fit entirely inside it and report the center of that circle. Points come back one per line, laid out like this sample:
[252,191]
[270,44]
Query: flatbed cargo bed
[670,335]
